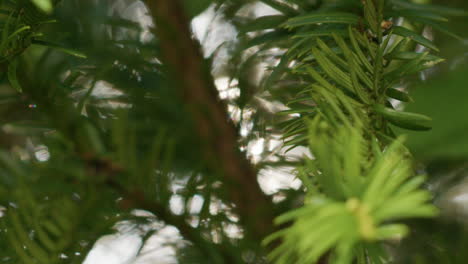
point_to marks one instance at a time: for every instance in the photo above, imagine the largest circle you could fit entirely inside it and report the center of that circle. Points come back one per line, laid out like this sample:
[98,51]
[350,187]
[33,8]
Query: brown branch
[137,199]
[182,54]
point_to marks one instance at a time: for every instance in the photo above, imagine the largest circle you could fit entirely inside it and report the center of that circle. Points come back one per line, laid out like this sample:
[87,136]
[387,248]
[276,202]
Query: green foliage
[58,208]
[360,180]
[194,8]
[110,153]
[43,223]
[354,202]
[448,110]
[44,5]
[340,70]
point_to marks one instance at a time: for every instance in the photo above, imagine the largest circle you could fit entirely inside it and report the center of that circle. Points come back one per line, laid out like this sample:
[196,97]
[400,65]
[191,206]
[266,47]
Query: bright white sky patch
[115,249]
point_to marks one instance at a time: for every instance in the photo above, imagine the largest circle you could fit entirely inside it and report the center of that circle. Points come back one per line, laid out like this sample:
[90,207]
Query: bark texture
[182,54]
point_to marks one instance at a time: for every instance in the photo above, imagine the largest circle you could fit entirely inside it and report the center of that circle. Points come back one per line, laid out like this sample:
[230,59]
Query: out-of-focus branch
[136,199]
[182,54]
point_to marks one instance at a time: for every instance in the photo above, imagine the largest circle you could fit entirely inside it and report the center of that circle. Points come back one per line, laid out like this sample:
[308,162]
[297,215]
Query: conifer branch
[137,199]
[182,54]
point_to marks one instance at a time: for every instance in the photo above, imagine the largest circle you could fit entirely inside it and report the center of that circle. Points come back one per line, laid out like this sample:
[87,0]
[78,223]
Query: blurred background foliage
[88,95]
[443,151]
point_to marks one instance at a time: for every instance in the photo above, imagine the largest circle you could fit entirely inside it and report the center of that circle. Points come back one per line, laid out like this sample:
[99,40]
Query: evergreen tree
[114,122]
